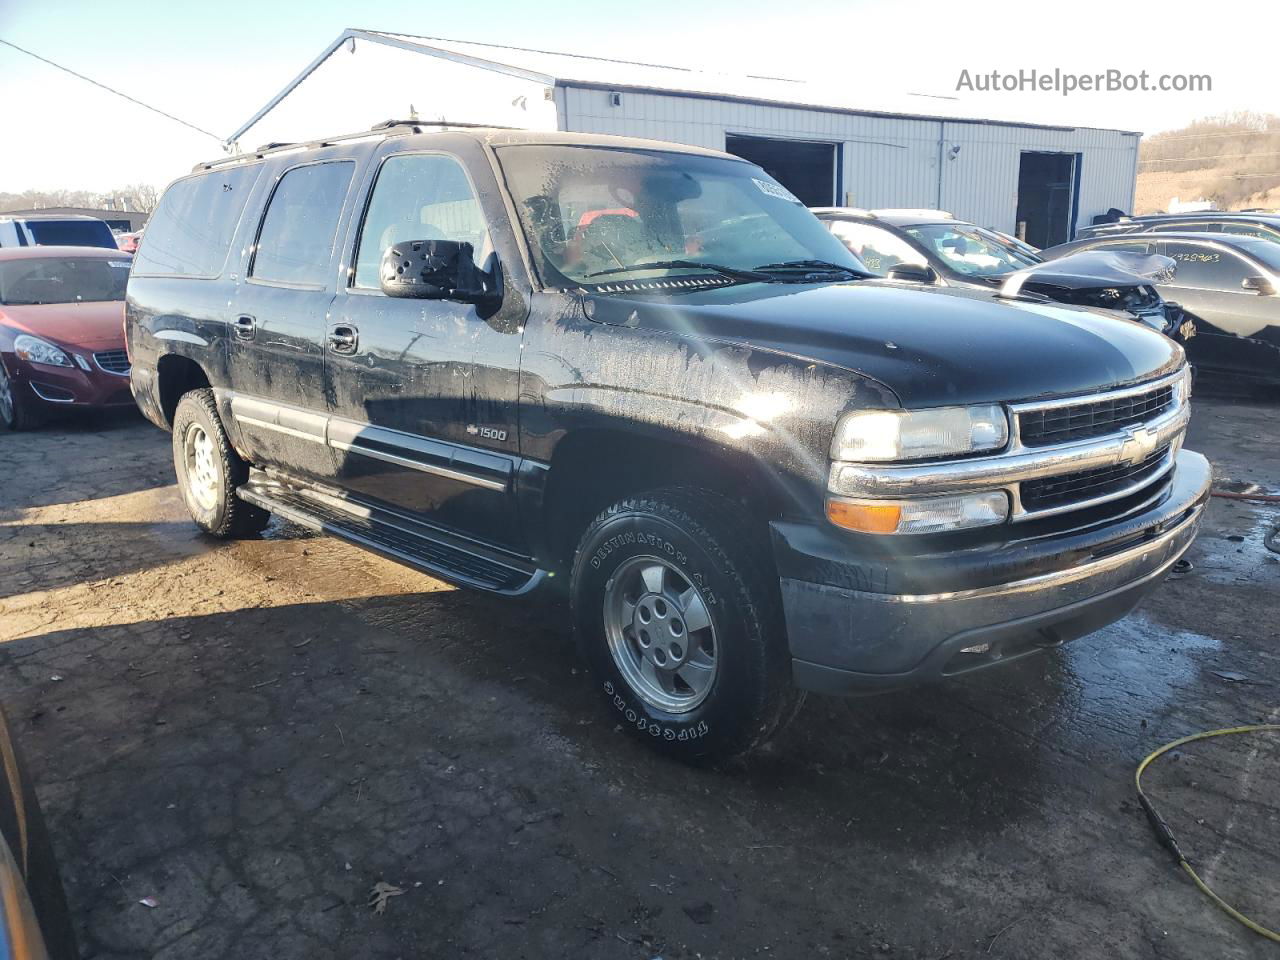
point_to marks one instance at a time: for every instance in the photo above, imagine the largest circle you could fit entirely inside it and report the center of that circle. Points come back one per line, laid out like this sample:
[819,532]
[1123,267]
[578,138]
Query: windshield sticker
[775,190]
[124,264]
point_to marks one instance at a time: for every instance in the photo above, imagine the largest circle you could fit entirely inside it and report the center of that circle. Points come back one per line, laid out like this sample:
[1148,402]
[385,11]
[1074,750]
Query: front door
[1209,284]
[423,394]
[279,322]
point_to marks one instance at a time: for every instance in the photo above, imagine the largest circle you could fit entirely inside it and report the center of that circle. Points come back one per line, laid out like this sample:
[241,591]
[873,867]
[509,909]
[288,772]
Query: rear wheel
[209,470]
[676,613]
[17,411]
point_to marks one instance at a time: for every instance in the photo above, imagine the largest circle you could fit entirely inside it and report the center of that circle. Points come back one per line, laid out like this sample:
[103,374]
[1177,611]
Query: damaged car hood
[930,346]
[1093,270]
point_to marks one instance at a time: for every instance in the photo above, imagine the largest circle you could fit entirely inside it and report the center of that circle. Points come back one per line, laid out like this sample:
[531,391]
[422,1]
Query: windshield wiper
[754,276]
[814,265]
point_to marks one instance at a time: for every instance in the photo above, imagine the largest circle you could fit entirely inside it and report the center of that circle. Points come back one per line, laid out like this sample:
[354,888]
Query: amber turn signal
[864,517]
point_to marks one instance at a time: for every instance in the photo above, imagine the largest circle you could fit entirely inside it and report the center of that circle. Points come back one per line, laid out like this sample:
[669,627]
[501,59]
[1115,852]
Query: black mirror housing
[437,270]
[912,273]
[1259,285]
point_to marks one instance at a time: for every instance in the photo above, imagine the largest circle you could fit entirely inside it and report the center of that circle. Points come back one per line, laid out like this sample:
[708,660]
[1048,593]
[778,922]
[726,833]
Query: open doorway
[1046,197]
[807,169]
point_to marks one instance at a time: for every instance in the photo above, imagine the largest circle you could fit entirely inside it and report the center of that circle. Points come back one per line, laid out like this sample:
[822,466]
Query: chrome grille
[1069,488]
[113,361]
[1082,421]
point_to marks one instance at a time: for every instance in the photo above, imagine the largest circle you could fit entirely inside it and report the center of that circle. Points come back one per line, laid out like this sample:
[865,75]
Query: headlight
[874,436]
[926,515]
[35,350]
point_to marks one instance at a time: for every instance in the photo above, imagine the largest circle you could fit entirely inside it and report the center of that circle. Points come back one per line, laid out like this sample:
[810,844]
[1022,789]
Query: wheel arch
[177,375]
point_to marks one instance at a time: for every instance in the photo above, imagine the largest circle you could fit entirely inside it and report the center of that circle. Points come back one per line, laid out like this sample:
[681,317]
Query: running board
[394,535]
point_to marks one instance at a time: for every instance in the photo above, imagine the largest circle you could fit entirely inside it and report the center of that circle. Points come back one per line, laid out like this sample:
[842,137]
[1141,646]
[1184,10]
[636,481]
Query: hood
[931,346]
[91,326]
[1094,269]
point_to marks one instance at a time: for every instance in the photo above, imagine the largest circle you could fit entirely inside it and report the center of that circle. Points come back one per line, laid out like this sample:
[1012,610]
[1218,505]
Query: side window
[1252,230]
[1181,226]
[1206,267]
[418,197]
[1125,246]
[879,249]
[190,232]
[295,240]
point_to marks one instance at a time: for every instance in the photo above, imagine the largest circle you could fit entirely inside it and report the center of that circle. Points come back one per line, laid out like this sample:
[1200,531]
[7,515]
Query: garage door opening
[1046,197]
[805,168]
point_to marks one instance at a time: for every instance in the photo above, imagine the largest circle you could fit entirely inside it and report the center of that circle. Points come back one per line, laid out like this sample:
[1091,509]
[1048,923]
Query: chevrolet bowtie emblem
[1139,443]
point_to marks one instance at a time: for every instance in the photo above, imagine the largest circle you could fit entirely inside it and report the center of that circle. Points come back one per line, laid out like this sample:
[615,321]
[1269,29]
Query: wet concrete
[257,733]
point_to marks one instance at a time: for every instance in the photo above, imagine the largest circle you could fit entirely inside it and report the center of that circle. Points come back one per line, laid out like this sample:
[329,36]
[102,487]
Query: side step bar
[394,535]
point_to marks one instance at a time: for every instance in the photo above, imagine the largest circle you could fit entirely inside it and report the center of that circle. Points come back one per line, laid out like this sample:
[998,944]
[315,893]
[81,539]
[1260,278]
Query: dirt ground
[257,733]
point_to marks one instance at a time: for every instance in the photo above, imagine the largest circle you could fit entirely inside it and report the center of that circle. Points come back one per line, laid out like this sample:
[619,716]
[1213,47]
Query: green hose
[1165,835]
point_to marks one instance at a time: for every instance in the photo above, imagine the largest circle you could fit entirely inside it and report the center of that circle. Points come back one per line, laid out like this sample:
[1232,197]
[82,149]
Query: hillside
[1232,159]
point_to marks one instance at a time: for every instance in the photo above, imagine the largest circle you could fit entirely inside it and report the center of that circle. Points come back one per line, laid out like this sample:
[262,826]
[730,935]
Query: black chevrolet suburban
[645,375]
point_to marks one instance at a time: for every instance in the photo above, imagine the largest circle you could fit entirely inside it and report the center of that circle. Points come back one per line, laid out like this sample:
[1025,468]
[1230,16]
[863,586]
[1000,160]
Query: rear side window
[71,233]
[295,241]
[418,197]
[191,230]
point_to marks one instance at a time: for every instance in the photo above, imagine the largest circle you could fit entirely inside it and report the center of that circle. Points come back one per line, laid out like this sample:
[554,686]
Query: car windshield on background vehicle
[968,250]
[62,280]
[70,233]
[594,215]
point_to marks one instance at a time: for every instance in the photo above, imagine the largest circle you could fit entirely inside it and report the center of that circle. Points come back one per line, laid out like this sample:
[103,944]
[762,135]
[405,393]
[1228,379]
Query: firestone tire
[676,612]
[209,471]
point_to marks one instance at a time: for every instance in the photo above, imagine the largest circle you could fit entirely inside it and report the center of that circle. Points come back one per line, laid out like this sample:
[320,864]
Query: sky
[214,65]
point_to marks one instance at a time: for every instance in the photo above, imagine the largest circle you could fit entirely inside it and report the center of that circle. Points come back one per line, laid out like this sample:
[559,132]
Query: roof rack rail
[385,128]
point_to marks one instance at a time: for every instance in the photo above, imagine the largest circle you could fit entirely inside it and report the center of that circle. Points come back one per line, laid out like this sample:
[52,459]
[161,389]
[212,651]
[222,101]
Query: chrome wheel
[660,634]
[202,469]
[6,397]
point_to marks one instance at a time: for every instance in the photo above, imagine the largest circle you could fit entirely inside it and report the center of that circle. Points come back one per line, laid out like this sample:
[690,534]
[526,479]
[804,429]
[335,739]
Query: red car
[61,331]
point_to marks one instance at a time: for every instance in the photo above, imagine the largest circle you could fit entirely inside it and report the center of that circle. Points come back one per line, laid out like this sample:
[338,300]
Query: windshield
[588,211]
[70,233]
[62,280]
[966,250]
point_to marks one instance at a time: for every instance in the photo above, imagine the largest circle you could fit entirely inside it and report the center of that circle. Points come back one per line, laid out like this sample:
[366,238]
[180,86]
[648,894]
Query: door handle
[344,338]
[245,326]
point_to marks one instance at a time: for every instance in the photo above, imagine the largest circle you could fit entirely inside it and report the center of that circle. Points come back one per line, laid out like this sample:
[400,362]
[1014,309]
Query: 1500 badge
[489,433]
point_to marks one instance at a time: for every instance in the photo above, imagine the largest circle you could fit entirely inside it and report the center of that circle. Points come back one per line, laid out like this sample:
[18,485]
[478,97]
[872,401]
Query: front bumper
[54,387]
[848,637]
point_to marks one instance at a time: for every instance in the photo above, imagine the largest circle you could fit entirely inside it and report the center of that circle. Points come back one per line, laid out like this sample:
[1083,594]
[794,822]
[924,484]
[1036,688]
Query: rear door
[276,344]
[423,394]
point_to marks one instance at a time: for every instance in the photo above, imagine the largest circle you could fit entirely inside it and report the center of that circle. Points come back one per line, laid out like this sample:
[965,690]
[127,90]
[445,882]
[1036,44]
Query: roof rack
[383,129]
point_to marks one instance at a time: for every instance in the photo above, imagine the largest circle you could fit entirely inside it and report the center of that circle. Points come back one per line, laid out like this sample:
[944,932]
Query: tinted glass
[1264,251]
[1263,230]
[190,232]
[875,247]
[595,215]
[63,280]
[1206,267]
[419,197]
[295,241]
[1124,246]
[70,233]
[1187,226]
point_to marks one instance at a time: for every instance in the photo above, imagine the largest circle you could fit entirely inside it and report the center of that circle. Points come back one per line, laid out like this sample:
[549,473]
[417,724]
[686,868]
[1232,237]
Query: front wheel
[209,470]
[17,411]
[676,613]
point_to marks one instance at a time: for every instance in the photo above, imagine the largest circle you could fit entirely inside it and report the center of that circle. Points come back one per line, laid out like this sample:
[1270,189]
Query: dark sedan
[1241,224]
[1229,283]
[61,331]
[929,246]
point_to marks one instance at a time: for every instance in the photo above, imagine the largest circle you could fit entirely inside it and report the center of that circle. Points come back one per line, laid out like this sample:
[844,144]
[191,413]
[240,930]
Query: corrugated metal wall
[888,161]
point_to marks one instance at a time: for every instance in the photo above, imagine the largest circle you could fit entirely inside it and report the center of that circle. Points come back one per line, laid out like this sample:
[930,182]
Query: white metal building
[1034,180]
